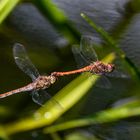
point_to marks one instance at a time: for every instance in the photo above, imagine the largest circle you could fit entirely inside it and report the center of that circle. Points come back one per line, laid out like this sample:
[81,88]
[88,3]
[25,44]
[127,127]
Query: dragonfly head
[110,67]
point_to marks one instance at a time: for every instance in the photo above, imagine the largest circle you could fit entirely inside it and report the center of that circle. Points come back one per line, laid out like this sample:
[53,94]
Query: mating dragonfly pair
[40,83]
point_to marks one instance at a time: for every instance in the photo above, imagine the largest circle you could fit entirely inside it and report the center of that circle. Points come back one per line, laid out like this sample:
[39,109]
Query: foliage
[74,112]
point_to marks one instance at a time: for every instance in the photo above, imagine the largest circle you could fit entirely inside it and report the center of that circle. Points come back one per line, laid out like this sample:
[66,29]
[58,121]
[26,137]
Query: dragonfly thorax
[43,82]
[99,67]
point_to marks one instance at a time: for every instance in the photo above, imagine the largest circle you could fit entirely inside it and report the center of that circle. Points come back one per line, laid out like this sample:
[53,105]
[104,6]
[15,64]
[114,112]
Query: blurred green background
[48,29]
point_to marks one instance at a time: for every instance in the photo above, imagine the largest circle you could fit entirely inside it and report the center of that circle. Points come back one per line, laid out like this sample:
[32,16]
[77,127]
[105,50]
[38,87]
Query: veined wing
[80,59]
[41,97]
[85,53]
[118,74]
[86,47]
[23,61]
[102,82]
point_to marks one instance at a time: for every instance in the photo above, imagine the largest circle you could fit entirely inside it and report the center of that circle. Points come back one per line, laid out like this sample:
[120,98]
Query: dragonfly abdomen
[29,87]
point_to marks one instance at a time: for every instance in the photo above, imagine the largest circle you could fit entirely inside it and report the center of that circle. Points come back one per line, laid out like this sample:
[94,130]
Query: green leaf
[59,20]
[132,108]
[6,6]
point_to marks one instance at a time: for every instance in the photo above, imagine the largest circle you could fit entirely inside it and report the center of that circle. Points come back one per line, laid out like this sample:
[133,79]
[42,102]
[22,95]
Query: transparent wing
[104,82]
[86,47]
[80,59]
[41,97]
[118,74]
[23,61]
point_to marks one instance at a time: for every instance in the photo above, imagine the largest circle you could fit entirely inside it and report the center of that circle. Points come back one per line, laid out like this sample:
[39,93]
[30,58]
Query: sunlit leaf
[130,109]
[6,6]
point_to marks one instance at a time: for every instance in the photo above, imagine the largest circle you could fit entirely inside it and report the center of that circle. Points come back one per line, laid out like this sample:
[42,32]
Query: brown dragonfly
[87,58]
[39,84]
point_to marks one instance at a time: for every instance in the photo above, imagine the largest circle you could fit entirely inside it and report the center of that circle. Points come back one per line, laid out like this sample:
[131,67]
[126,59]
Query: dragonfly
[86,55]
[39,82]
